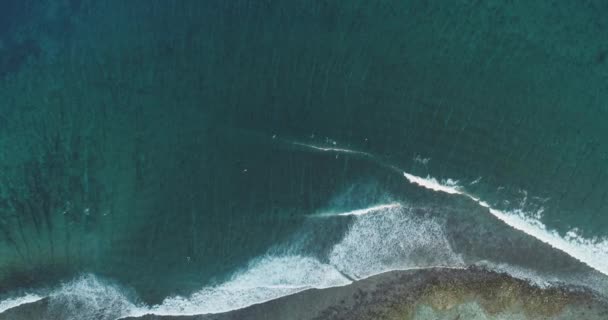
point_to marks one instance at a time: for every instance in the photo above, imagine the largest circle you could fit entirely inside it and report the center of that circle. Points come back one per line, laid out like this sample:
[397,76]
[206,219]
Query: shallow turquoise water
[172,147]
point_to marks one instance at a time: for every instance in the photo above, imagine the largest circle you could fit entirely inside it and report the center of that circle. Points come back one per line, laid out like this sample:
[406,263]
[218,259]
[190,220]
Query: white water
[593,253]
[393,239]
[360,212]
[265,279]
[381,238]
[86,297]
[15,302]
[448,186]
[390,239]
[330,149]
[89,297]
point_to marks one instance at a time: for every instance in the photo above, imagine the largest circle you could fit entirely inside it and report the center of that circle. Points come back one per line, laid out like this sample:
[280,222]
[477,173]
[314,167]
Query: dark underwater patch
[14,56]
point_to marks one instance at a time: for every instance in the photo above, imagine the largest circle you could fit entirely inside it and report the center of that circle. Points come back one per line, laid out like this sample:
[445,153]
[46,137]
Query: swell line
[592,253]
[11,303]
[360,212]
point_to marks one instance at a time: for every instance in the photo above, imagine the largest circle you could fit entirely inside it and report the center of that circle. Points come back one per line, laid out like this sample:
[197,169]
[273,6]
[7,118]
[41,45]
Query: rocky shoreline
[446,293]
[437,293]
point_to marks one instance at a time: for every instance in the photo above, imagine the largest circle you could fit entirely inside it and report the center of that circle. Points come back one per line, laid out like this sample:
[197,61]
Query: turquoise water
[207,149]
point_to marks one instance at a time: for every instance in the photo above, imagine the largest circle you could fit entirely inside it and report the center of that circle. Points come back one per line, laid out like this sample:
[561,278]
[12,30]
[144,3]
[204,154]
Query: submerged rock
[427,294]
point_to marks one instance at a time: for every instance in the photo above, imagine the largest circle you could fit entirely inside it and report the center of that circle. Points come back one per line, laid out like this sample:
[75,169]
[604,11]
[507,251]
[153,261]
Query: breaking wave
[593,253]
[17,301]
[380,238]
[391,238]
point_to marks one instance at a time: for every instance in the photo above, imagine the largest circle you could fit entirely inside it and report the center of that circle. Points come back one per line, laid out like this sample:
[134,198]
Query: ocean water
[193,157]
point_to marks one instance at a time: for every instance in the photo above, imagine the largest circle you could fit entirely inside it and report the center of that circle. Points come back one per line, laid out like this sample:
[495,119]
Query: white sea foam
[394,239]
[375,243]
[391,239]
[330,149]
[593,253]
[89,297]
[360,212]
[18,301]
[265,279]
[449,186]
[381,238]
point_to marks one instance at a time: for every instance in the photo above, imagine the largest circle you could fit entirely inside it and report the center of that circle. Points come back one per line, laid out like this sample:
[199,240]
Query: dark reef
[407,294]
[435,293]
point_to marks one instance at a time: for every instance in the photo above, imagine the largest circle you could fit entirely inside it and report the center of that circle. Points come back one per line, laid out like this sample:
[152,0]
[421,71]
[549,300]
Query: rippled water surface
[200,157]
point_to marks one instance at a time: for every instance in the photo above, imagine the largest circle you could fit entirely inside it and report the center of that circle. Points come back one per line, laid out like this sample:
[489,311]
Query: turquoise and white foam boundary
[381,238]
[592,252]
[17,301]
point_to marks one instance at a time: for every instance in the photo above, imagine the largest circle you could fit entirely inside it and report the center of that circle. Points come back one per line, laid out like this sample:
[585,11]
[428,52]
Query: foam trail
[450,186]
[361,154]
[263,280]
[397,239]
[89,297]
[375,243]
[591,253]
[331,149]
[361,212]
[85,297]
[15,302]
